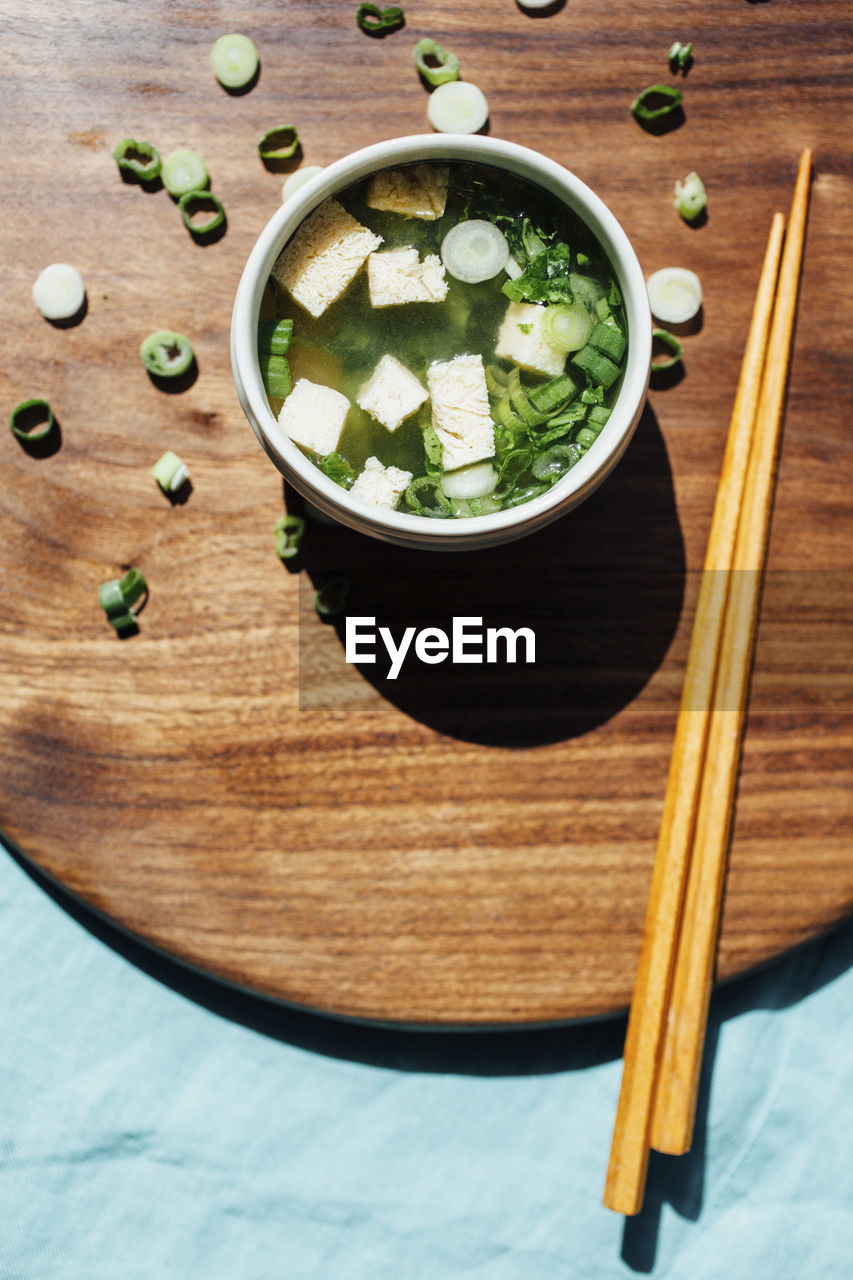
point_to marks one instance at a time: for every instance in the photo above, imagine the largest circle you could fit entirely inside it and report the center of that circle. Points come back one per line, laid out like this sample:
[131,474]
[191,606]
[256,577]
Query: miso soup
[444,339]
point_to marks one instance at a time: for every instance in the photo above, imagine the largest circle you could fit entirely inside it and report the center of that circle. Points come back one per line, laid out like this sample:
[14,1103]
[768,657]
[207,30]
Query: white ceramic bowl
[399,526]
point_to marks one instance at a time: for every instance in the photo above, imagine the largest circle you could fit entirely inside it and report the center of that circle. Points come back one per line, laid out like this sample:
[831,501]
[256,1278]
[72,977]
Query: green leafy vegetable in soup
[443,339]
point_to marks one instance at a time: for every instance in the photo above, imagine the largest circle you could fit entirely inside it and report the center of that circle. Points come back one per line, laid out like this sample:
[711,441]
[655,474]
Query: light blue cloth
[154,1125]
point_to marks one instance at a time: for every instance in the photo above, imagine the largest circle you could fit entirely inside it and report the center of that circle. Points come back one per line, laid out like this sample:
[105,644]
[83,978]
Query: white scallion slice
[170,472]
[474,251]
[234,60]
[675,294]
[476,481]
[294,181]
[512,268]
[457,107]
[59,292]
[183,171]
[690,197]
[567,326]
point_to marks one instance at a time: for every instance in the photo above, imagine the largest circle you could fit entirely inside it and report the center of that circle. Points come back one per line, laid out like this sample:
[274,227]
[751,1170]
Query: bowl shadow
[601,589]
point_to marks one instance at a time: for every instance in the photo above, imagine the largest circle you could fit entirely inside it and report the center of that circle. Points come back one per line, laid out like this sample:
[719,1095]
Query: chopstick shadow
[602,590]
[679,1181]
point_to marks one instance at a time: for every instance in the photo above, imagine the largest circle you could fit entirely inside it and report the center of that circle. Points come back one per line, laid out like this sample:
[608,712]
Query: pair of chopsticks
[667,1023]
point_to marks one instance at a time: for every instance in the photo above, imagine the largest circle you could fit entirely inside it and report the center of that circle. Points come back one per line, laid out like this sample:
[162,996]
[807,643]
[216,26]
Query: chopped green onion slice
[166,354]
[690,197]
[294,181]
[474,251]
[516,498]
[599,367]
[610,339]
[680,56]
[429,486]
[274,337]
[555,462]
[566,326]
[119,595]
[378,22]
[457,107]
[435,64]
[170,472]
[59,292]
[194,202]
[587,436]
[657,101]
[331,597]
[279,143]
[667,340]
[275,372]
[288,533]
[234,60]
[138,158]
[31,420]
[184,171]
[675,294]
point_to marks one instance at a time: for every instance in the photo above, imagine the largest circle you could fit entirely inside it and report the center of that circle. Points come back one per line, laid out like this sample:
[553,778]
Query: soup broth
[516,372]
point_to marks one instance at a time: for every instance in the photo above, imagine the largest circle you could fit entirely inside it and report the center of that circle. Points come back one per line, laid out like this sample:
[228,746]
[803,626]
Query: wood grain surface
[452,848]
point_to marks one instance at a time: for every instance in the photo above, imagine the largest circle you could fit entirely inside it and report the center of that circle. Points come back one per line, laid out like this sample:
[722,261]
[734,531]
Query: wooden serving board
[467,845]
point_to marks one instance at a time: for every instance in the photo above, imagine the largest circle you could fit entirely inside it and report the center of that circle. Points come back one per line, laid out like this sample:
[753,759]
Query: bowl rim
[399,526]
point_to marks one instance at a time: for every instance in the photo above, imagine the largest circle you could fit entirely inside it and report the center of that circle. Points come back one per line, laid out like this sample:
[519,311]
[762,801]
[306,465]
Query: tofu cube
[460,410]
[418,191]
[314,416]
[383,486]
[397,275]
[530,350]
[391,394]
[324,255]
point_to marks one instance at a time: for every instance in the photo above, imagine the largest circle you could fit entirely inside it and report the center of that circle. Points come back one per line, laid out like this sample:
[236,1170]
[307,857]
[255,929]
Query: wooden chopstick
[678,1077]
[644,1040]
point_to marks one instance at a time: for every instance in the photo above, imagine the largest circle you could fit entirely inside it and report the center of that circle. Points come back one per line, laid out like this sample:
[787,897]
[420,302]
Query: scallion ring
[566,326]
[59,292]
[378,22]
[138,158]
[32,420]
[427,485]
[166,354]
[690,197]
[234,60]
[330,599]
[675,294]
[279,143]
[669,341]
[457,107]
[288,534]
[474,250]
[184,171]
[435,64]
[170,472]
[656,102]
[195,202]
[118,596]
